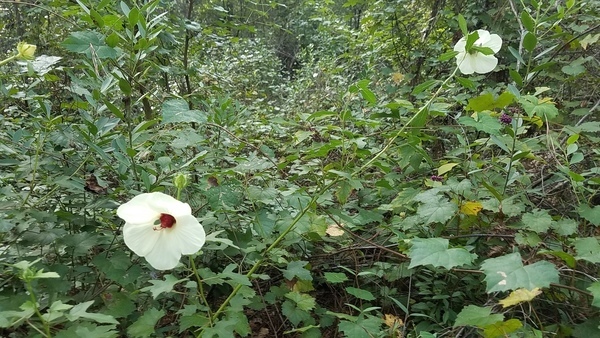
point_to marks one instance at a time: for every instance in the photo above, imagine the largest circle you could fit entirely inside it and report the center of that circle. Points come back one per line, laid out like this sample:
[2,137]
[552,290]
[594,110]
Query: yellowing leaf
[519,296]
[471,208]
[536,120]
[397,77]
[392,321]
[589,40]
[446,168]
[334,230]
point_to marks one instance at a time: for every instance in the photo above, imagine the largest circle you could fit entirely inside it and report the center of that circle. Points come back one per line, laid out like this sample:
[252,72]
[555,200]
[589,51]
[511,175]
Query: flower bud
[25,50]
[180,181]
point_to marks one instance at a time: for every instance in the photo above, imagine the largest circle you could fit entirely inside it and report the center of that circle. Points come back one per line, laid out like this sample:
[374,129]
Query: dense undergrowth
[352,182]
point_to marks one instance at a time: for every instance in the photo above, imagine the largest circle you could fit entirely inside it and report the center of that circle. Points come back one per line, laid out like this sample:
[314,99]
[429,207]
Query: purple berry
[505,119]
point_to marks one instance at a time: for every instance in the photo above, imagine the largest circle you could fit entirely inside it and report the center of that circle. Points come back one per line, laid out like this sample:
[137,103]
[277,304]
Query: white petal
[138,210]
[189,234]
[484,63]
[140,238]
[186,237]
[466,65]
[169,205]
[495,43]
[460,45]
[166,254]
[484,37]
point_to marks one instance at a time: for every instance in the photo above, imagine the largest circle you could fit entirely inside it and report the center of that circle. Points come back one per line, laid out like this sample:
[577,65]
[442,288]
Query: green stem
[201,289]
[37,310]
[292,225]
[41,141]
[510,162]
[399,132]
[8,59]
[258,263]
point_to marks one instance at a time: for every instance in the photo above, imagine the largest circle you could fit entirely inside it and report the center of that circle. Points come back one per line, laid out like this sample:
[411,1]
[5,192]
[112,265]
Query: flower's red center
[166,221]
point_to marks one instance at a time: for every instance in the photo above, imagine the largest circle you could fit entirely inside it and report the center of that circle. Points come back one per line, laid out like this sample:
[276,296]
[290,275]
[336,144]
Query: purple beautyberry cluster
[505,119]
[437,178]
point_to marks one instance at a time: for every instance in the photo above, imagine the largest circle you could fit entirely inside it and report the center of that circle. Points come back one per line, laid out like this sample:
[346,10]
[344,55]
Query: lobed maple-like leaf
[508,273]
[435,251]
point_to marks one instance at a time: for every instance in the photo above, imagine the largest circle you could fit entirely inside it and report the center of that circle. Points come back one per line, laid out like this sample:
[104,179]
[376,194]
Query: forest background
[351,181]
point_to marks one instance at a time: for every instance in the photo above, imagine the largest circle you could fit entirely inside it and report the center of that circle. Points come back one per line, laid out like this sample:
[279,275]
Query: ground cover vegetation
[391,168]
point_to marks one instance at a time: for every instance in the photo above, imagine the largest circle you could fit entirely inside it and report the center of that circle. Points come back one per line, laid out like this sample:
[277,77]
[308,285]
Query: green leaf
[225,196]
[447,56]
[360,293]
[178,111]
[368,95]
[114,109]
[505,99]
[293,313]
[424,86]
[488,102]
[588,249]
[435,251]
[83,329]
[515,76]
[335,277]
[516,54]
[529,41]
[484,122]
[160,286]
[224,242]
[444,168]
[343,191]
[221,328]
[124,8]
[589,328]
[476,316]
[363,327]
[467,83]
[438,210]
[541,108]
[462,23]
[194,319]
[90,43]
[79,311]
[565,226]
[118,304]
[538,221]
[471,38]
[234,277]
[592,215]
[351,329]
[567,258]
[508,273]
[595,290]
[420,118]
[297,269]
[321,115]
[303,301]
[56,311]
[502,329]
[527,21]
[144,326]
[575,67]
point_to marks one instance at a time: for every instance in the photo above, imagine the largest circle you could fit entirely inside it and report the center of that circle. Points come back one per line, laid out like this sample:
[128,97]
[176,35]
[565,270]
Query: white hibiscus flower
[161,229]
[475,61]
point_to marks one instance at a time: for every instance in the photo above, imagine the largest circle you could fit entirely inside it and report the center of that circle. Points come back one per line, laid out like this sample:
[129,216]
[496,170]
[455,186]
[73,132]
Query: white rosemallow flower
[475,61]
[161,229]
